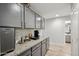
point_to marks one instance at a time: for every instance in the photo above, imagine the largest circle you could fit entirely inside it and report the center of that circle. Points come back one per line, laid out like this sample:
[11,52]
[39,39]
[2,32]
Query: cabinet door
[43,23]
[37,52]
[43,48]
[38,21]
[7,39]
[10,15]
[0,43]
[47,44]
[29,18]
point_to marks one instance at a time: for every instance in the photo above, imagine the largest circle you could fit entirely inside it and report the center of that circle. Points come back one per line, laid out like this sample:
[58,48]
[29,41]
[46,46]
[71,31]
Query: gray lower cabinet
[37,52]
[39,49]
[44,47]
[47,43]
[10,14]
[26,53]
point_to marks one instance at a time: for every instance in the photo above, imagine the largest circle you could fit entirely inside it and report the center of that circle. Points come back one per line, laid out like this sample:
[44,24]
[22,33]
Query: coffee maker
[36,34]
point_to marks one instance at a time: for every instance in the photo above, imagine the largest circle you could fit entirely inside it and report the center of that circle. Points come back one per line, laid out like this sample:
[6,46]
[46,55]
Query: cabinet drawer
[36,46]
[26,53]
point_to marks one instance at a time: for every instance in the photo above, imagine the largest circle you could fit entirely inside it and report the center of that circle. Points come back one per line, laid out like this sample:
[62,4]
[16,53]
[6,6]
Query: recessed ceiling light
[76,12]
[15,7]
[68,21]
[57,15]
[38,18]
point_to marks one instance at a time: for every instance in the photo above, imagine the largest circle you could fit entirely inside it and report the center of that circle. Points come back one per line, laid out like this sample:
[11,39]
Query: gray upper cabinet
[43,23]
[38,19]
[29,18]
[10,15]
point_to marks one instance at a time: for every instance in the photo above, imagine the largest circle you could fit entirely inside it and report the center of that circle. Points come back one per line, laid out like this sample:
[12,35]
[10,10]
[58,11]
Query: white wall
[55,29]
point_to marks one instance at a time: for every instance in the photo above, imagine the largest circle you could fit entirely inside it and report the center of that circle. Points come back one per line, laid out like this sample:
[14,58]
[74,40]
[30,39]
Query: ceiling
[51,10]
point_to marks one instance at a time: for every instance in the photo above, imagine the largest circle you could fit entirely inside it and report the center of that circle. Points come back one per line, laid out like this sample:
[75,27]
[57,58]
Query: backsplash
[22,32]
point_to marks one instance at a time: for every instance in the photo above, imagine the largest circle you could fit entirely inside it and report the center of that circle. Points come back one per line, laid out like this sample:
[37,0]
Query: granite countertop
[19,48]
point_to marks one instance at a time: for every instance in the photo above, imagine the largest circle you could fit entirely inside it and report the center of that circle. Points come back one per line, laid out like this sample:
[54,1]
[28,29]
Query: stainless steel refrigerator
[7,40]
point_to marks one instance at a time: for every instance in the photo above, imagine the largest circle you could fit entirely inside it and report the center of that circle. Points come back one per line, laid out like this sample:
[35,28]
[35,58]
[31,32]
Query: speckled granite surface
[25,46]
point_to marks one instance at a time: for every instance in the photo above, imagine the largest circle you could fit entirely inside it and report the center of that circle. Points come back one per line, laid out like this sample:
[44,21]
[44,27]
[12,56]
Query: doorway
[55,30]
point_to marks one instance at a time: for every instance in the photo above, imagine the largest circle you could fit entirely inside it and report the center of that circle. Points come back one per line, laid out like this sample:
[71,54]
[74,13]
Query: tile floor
[59,50]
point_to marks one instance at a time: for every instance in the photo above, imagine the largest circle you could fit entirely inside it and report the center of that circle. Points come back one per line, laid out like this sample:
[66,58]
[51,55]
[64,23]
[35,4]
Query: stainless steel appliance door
[7,39]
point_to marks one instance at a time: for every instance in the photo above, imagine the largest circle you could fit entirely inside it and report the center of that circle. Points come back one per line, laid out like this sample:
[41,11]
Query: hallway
[59,50]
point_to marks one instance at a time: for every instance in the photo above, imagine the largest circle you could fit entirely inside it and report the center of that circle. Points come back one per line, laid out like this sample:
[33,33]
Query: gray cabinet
[29,18]
[26,53]
[43,23]
[47,44]
[18,15]
[36,50]
[38,20]
[22,15]
[44,47]
[7,40]
[10,14]
[39,49]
